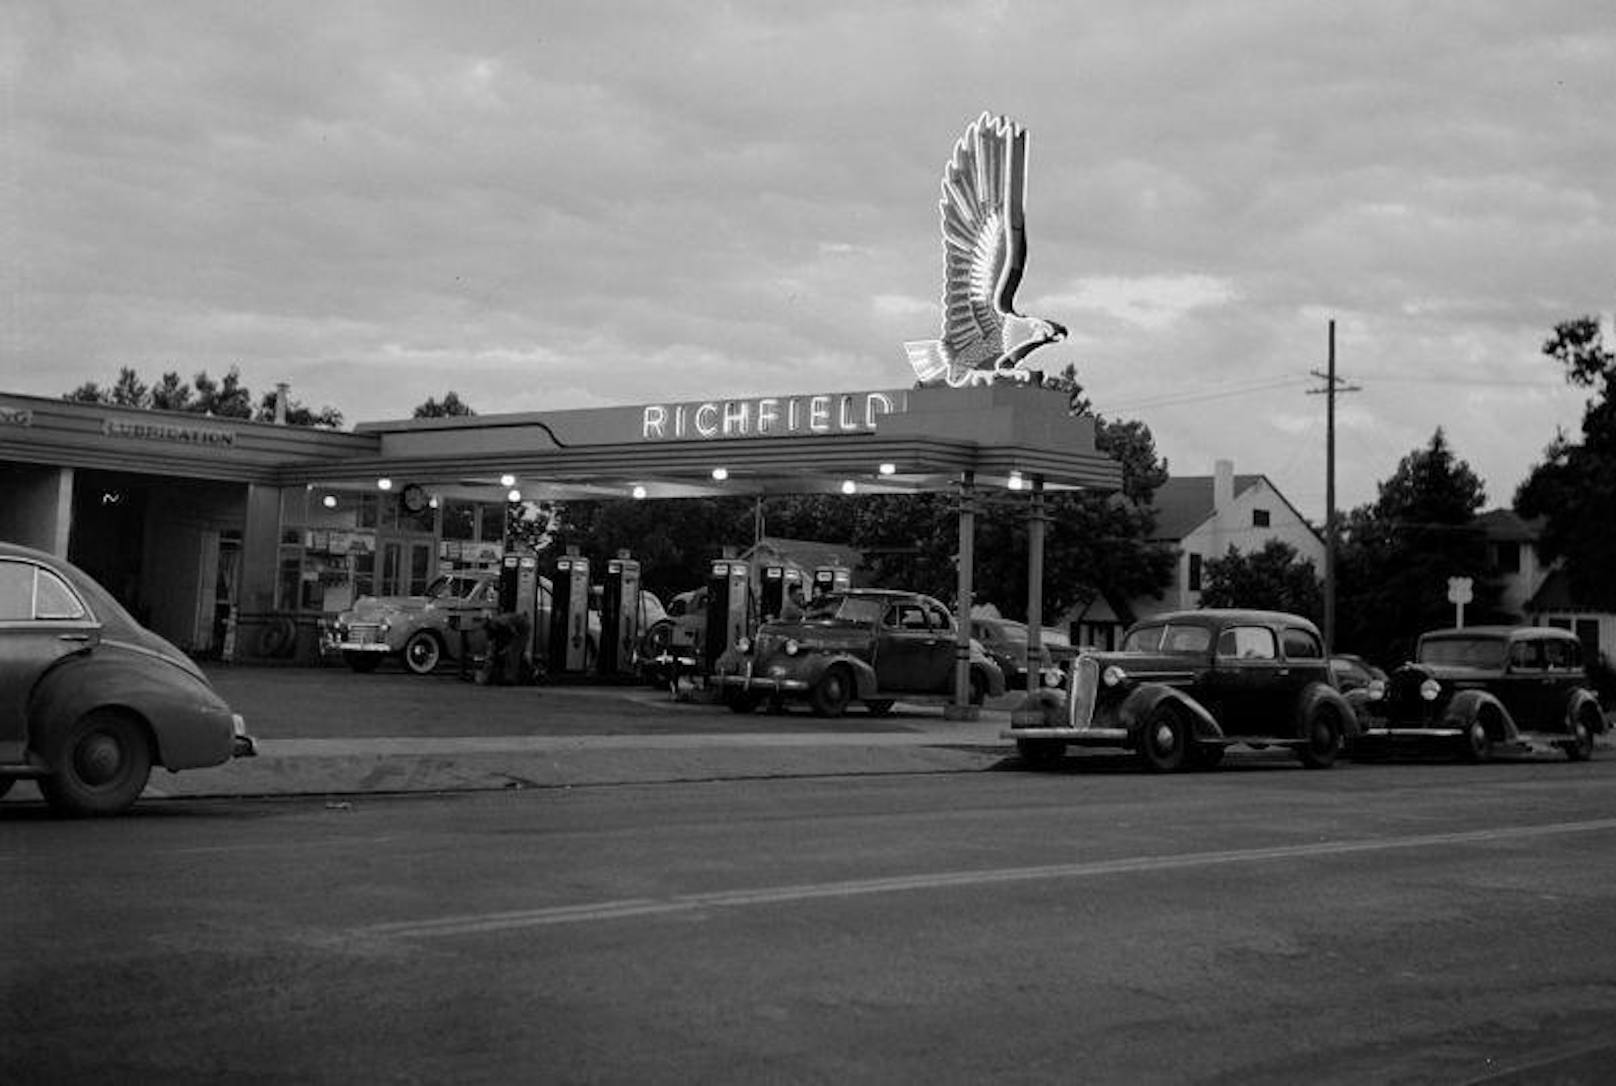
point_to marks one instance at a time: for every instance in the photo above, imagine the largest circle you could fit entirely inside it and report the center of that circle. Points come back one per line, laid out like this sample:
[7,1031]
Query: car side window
[938,618]
[1558,655]
[53,599]
[28,593]
[1247,643]
[1525,656]
[16,592]
[1302,645]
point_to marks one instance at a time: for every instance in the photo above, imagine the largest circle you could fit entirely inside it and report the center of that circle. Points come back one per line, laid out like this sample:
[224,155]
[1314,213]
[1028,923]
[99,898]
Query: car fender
[1316,694]
[863,674]
[1468,705]
[1144,699]
[187,722]
[1581,698]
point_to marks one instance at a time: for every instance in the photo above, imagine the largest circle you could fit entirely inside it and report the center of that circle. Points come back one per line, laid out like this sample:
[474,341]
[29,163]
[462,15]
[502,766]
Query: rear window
[1485,652]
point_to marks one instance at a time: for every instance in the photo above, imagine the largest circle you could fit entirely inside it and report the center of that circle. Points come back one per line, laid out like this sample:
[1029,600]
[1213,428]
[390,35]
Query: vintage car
[1355,673]
[863,644]
[90,700]
[1005,642]
[415,629]
[1486,689]
[1188,684]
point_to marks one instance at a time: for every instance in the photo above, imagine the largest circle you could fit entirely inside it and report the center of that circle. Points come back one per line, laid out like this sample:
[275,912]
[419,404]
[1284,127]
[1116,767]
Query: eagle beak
[1056,331]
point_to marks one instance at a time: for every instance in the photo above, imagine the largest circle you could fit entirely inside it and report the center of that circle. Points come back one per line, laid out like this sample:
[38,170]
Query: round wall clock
[414,498]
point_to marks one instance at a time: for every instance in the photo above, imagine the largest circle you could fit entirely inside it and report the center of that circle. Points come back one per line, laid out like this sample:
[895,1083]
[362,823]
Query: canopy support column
[961,708]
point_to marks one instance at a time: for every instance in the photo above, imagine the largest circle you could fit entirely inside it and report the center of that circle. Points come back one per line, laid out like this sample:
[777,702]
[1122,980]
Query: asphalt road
[1419,923]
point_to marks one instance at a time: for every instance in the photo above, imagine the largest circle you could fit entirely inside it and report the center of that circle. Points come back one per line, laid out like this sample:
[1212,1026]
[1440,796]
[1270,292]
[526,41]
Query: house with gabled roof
[1202,516]
[1536,592]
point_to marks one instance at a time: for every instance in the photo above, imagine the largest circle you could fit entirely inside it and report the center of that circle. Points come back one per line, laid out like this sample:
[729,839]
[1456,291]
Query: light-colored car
[423,631]
[91,700]
[862,644]
[1006,642]
[415,629]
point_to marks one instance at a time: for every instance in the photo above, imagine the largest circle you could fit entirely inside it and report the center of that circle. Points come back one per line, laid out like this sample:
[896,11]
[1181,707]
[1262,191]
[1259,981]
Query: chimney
[281,389]
[1222,485]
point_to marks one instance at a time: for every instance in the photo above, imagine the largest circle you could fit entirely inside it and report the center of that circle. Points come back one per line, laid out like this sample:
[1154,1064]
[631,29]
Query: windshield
[845,608]
[1183,640]
[1486,652]
[451,588]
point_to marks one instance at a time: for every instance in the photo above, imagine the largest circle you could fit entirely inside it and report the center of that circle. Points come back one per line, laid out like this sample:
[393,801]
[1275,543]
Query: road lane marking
[592,912]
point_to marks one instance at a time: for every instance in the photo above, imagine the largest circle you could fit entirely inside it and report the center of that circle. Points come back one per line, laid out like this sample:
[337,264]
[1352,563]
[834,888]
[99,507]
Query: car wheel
[1581,747]
[1475,744]
[1323,740]
[1164,741]
[832,693]
[100,767]
[978,689]
[363,662]
[1207,755]
[879,706]
[742,701]
[1041,753]
[422,652]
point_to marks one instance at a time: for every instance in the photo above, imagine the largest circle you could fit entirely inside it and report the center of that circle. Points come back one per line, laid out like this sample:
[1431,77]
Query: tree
[1398,553]
[225,398]
[450,406]
[1274,579]
[1574,487]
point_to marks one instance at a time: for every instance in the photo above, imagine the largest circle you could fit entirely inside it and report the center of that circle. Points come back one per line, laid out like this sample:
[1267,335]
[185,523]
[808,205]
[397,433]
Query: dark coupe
[870,645]
[1487,689]
[1189,684]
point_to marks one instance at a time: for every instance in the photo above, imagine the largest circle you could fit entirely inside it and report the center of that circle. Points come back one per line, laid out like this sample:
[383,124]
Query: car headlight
[1375,690]
[1429,689]
[1053,676]
[1113,676]
[791,647]
[743,645]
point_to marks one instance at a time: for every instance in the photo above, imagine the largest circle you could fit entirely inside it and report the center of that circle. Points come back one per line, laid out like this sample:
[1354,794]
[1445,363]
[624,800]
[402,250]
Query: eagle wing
[984,239]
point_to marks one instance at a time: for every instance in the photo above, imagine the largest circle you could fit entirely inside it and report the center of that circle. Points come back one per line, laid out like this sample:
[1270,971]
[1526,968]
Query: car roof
[1221,616]
[1519,633]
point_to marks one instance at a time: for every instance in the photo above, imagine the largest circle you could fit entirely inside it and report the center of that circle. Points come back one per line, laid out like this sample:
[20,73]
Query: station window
[1260,518]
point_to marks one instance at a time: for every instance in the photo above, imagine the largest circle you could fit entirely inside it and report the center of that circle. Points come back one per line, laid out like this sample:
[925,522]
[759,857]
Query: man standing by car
[795,603]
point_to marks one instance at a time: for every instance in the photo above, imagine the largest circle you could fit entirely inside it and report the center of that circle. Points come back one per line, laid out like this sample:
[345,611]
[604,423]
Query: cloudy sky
[544,205]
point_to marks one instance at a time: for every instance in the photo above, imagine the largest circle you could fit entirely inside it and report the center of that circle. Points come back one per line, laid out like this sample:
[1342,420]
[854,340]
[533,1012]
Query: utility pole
[1332,385]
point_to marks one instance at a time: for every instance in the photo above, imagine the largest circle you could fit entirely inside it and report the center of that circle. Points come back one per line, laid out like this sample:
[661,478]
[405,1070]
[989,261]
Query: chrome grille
[1084,684]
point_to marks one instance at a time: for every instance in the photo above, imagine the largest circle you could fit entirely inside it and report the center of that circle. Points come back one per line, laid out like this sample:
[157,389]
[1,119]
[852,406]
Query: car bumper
[378,647]
[1091,737]
[242,744]
[746,682]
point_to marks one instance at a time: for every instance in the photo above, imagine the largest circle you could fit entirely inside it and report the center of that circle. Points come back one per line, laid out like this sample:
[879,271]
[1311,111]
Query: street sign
[1459,594]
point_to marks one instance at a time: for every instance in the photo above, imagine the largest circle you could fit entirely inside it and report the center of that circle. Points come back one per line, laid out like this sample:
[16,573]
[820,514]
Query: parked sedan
[90,700]
[1484,689]
[866,644]
[1006,643]
[1188,684]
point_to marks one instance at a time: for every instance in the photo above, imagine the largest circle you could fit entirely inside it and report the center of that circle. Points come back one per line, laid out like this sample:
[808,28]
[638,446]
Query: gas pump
[832,579]
[527,601]
[727,617]
[569,615]
[771,592]
[619,616]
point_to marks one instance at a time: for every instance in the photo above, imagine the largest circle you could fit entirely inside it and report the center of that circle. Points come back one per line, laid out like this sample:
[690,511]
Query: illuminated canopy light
[889,468]
[639,492]
[514,495]
[720,474]
[329,501]
[848,486]
[1015,481]
[507,480]
[384,484]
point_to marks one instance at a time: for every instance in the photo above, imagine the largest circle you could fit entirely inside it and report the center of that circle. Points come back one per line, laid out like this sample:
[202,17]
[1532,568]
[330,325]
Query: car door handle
[73,637]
